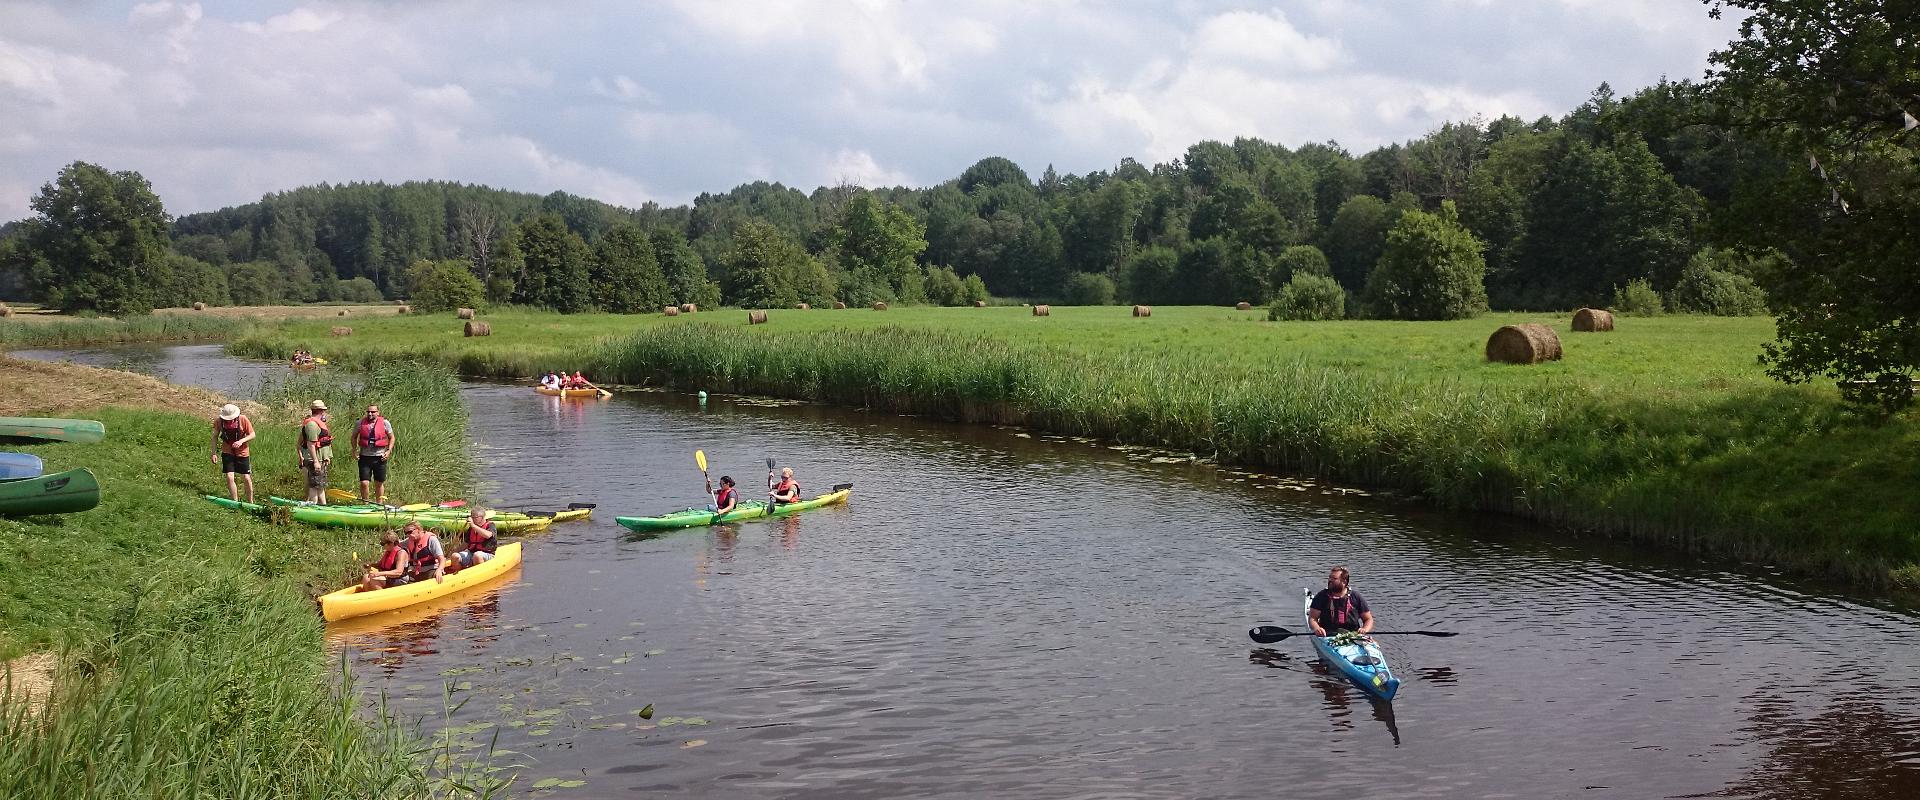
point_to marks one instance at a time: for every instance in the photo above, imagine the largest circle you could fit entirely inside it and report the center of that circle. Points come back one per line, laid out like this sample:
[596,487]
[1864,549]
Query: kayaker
[580,381]
[373,439]
[392,564]
[727,499]
[315,451]
[1337,608]
[479,541]
[231,434]
[424,557]
[787,490]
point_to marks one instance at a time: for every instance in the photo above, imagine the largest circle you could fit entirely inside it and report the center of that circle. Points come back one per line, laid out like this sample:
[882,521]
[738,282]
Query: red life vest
[326,433]
[390,560]
[484,544]
[788,485]
[231,430]
[376,432]
[725,496]
[420,560]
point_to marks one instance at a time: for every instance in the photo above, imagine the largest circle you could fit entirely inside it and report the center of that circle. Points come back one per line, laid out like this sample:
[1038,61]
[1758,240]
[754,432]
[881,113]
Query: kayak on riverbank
[82,431]
[352,602]
[59,493]
[699,517]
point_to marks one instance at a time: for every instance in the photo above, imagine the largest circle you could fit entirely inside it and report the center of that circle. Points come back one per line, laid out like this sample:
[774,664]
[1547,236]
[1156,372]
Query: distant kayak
[567,392]
[699,517]
[82,431]
[14,466]
[59,493]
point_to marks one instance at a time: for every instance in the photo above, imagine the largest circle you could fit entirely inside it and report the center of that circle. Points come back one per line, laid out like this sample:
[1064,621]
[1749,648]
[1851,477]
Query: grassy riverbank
[1666,431]
[190,660]
[58,331]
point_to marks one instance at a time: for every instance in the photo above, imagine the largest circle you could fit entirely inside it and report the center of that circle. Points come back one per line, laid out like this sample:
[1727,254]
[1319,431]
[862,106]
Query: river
[997,614]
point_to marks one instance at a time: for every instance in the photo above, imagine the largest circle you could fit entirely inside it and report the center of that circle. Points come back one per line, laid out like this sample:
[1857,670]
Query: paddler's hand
[1319,631]
[213,459]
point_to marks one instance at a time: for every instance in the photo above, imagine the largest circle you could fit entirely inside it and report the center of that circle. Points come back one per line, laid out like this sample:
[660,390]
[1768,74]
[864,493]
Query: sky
[220,102]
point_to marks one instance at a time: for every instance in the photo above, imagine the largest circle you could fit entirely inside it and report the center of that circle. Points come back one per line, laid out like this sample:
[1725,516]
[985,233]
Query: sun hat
[319,405]
[229,412]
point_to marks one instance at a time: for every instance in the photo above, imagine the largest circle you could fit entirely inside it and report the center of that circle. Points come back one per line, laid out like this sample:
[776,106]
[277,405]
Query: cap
[319,405]
[229,412]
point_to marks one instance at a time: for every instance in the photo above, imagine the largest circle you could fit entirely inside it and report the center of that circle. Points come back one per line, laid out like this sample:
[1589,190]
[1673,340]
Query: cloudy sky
[220,101]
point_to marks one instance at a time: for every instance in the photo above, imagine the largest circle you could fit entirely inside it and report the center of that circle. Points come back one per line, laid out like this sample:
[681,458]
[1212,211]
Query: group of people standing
[373,441]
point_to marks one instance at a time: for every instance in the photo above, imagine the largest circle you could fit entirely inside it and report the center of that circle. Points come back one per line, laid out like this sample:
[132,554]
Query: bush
[1309,297]
[1637,298]
[974,290]
[1431,269]
[1089,289]
[944,287]
[444,286]
[359,290]
[1714,282]
[1300,259]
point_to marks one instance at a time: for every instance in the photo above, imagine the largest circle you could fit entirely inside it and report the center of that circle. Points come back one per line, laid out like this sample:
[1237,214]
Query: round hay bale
[343,312]
[1529,343]
[1143,311]
[198,306]
[1042,310]
[340,331]
[5,312]
[979,304]
[1593,320]
[1243,306]
[671,311]
[688,308]
[879,306]
[406,309]
[756,318]
[465,313]
[839,306]
[478,328]
[803,306]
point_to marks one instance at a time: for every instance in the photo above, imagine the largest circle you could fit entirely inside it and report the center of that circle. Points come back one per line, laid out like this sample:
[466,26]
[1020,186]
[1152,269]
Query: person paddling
[787,490]
[231,434]
[373,438]
[479,539]
[392,564]
[315,451]
[1337,609]
[727,499]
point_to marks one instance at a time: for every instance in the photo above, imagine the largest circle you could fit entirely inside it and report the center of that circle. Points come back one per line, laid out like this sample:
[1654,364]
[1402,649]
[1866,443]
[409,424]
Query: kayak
[697,517]
[345,499]
[351,602]
[14,466]
[1356,657]
[567,392]
[331,517]
[82,431]
[421,510]
[59,493]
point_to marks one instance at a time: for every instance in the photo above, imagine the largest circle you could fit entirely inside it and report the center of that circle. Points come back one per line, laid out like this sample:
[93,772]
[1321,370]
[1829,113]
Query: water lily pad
[448,673]
[623,659]
[540,732]
[646,713]
[571,784]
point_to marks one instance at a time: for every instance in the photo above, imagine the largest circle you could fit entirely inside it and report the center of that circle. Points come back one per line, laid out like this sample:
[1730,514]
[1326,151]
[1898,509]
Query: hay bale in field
[838,306]
[343,312]
[756,318]
[688,308]
[1593,320]
[671,311]
[339,331]
[5,312]
[199,306]
[1243,306]
[1529,343]
[406,309]
[803,306]
[979,304]
[464,313]
[879,306]
[1143,311]
[1042,310]
[478,328]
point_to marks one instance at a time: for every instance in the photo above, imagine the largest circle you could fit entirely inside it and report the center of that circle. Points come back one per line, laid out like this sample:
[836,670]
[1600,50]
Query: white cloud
[1266,40]
[859,168]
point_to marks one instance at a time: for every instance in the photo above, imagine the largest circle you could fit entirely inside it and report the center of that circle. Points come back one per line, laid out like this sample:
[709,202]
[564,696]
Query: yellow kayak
[567,392]
[351,602]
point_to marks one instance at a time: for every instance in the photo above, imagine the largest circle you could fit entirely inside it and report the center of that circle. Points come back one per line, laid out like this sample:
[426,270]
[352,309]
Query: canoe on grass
[567,392]
[418,509]
[14,466]
[330,517]
[82,431]
[1356,657]
[697,517]
[342,498]
[351,602]
[59,493]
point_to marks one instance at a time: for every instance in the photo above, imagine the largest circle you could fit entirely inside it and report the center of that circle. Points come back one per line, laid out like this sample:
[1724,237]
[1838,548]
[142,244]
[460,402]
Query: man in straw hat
[315,454]
[231,434]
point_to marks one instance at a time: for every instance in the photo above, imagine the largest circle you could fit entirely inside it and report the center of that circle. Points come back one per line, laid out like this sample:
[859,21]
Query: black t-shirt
[1340,614]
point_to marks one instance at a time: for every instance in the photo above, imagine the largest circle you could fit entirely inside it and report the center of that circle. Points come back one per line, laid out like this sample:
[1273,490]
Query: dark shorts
[373,468]
[238,465]
[316,473]
[398,580]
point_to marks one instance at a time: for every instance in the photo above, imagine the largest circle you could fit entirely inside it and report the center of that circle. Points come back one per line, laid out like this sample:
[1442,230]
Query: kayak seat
[1364,660]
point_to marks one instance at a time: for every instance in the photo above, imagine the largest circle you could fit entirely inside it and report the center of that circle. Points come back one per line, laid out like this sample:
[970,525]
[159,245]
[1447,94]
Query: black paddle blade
[839,487]
[1268,634]
[578,506]
[769,464]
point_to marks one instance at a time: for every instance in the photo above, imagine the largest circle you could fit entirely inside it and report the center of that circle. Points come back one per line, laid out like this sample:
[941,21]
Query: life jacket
[389,560]
[788,485]
[376,432]
[326,433]
[484,544]
[420,560]
[726,495]
[1341,614]
[231,430]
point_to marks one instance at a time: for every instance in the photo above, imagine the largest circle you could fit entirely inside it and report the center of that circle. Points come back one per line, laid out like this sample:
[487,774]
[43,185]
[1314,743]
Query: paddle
[1268,634]
[769,485]
[605,393]
[700,457]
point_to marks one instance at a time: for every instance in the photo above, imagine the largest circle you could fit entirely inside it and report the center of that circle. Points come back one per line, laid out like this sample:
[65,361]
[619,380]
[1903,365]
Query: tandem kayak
[14,466]
[567,392]
[351,602]
[82,431]
[59,493]
[698,517]
[331,517]
[1356,657]
[418,509]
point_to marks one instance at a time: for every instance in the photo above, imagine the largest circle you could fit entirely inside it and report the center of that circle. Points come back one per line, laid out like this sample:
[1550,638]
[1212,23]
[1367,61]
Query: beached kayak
[1356,657]
[14,466]
[331,517]
[697,517]
[351,602]
[567,392]
[420,509]
[59,493]
[83,431]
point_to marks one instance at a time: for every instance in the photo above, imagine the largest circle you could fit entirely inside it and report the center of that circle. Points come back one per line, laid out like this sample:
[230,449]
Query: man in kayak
[1336,608]
[727,499]
[391,565]
[425,558]
[315,454]
[373,439]
[231,434]
[479,539]
[787,490]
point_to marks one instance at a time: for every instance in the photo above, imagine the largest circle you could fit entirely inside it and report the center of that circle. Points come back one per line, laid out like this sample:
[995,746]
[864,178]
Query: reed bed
[23,331]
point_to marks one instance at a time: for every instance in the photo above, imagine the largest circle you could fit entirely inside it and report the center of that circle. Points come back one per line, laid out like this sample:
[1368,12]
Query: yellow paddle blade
[700,457]
[416,507]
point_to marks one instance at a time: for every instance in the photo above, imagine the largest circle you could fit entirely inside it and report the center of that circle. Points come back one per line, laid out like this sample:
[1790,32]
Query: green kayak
[326,517]
[59,493]
[698,517]
[83,431]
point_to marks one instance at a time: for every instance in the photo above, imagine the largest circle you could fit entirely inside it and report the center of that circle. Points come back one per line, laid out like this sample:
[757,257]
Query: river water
[1003,615]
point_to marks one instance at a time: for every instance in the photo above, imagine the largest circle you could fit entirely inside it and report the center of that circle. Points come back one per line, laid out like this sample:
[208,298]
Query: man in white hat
[315,451]
[231,434]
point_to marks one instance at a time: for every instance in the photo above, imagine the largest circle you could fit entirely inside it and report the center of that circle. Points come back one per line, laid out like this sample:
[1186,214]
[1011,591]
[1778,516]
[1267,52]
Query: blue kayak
[14,466]
[1356,657]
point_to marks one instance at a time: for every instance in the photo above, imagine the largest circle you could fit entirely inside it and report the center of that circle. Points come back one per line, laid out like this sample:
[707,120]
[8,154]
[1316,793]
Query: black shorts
[373,468]
[238,465]
[397,580]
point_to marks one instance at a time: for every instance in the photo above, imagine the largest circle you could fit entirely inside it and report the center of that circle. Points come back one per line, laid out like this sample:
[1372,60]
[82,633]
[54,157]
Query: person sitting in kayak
[787,490]
[549,381]
[479,539]
[580,381]
[425,558]
[392,564]
[1337,609]
[727,499]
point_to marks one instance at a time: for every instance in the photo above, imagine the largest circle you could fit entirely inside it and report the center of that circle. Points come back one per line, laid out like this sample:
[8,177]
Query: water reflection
[1854,748]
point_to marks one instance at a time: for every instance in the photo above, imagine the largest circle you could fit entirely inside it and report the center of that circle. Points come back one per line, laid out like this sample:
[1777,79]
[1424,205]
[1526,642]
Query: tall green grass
[74,332]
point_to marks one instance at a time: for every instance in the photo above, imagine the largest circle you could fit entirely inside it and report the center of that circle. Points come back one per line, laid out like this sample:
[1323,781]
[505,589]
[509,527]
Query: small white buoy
[703,394]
